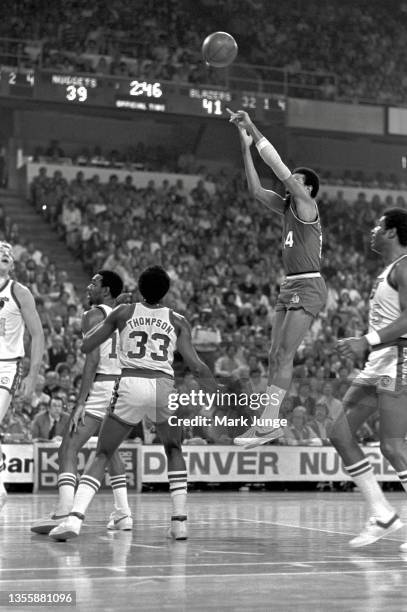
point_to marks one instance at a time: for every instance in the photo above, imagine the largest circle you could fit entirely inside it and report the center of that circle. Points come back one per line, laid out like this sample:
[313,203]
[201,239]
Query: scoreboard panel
[138,95]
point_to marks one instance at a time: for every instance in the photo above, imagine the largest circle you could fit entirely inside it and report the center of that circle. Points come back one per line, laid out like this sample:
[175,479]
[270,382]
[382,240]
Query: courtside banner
[46,463]
[19,462]
[266,463]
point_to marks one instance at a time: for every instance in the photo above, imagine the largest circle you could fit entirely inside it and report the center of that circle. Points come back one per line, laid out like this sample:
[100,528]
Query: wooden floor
[247,551]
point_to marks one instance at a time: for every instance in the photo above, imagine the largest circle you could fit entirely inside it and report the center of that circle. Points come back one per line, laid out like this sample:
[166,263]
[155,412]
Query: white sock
[88,486]
[66,492]
[178,492]
[276,396]
[403,479]
[119,488]
[362,473]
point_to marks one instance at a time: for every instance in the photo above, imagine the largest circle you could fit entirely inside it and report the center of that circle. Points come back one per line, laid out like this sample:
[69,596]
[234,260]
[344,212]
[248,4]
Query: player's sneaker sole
[258,438]
[44,526]
[178,530]
[123,523]
[376,530]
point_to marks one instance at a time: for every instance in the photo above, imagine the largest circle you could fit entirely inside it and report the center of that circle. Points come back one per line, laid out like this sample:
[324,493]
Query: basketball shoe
[374,530]
[256,436]
[120,521]
[68,528]
[44,526]
[178,529]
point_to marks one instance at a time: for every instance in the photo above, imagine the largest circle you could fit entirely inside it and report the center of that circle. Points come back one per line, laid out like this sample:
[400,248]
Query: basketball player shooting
[303,292]
[17,311]
[382,384]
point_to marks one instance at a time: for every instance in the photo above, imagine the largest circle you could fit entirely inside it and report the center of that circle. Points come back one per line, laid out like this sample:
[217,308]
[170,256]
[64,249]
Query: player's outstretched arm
[102,332]
[33,324]
[305,204]
[269,198]
[198,368]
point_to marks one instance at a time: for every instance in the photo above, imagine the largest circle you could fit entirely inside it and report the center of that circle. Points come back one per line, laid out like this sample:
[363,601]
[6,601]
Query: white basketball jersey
[384,307]
[148,340]
[109,358]
[11,324]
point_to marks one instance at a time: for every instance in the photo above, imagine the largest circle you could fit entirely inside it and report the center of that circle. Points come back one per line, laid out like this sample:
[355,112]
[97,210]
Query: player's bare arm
[269,198]
[90,320]
[390,333]
[305,205]
[33,324]
[198,368]
[102,332]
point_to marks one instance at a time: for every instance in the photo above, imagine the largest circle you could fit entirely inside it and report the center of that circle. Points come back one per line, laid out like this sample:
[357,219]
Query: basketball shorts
[307,293]
[135,397]
[10,378]
[100,396]
[386,369]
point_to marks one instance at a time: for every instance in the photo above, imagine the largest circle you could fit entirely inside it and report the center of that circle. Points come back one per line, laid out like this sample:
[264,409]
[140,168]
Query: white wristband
[269,154]
[373,338]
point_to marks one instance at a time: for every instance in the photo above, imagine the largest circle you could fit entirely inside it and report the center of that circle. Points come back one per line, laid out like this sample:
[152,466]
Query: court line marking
[395,559]
[155,577]
[309,528]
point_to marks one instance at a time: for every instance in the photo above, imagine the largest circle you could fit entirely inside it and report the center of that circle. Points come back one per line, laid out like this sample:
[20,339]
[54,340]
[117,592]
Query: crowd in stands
[223,257]
[362,43]
[148,157]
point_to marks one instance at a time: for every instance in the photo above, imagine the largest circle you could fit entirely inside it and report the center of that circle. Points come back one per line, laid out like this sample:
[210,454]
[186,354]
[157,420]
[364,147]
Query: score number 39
[76,93]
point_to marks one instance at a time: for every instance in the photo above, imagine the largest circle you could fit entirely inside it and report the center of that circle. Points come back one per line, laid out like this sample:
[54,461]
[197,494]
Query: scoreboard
[138,95]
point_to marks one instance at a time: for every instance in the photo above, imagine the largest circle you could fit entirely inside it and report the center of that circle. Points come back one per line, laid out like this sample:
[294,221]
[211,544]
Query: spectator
[50,422]
[206,338]
[297,432]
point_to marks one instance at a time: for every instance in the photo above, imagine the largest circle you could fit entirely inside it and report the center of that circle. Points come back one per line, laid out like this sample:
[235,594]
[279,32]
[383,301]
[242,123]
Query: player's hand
[77,417]
[245,138]
[240,118]
[28,387]
[353,347]
[123,298]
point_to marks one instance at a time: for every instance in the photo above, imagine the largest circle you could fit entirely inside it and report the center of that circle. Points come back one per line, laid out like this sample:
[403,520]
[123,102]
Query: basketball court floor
[247,551]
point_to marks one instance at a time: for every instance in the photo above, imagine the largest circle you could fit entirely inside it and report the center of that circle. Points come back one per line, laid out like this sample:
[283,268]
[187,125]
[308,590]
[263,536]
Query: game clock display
[137,95]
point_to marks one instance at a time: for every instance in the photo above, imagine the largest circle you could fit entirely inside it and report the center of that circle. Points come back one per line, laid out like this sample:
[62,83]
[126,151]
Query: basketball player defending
[17,311]
[149,335]
[382,384]
[303,292]
[100,372]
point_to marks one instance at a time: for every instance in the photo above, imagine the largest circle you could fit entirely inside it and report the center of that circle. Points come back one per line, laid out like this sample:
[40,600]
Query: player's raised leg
[112,433]
[171,438]
[360,402]
[289,330]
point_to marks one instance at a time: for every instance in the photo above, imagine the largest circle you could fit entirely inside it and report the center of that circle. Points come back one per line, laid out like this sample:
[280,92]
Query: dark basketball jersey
[302,242]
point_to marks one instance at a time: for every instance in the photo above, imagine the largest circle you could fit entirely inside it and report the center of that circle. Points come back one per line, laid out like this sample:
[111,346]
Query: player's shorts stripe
[144,373]
[106,377]
[115,395]
[303,275]
[17,378]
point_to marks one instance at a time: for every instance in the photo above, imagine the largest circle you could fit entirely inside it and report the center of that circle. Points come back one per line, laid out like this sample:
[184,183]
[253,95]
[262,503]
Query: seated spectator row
[162,40]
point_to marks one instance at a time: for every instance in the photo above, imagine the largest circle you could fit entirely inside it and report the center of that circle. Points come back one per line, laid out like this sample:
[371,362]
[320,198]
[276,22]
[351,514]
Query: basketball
[219,49]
